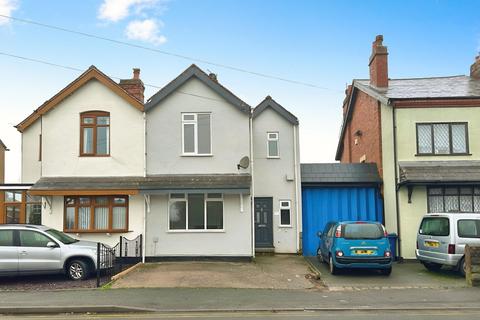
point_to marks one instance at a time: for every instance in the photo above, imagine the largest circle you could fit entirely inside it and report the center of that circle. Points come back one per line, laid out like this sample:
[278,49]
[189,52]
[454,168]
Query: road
[319,315]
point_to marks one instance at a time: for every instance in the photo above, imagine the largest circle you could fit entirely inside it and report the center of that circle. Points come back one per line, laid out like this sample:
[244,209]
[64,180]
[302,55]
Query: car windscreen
[469,228]
[435,226]
[362,231]
[60,236]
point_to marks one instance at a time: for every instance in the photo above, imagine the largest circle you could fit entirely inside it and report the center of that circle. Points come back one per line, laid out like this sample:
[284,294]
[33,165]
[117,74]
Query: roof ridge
[420,78]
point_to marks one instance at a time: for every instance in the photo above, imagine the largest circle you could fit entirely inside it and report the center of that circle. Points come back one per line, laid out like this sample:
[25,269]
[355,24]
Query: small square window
[285,213]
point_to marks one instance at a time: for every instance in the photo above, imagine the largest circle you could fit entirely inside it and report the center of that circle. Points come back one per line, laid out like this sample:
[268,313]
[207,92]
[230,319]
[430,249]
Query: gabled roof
[339,173]
[408,90]
[426,88]
[268,102]
[91,73]
[195,72]
[3,145]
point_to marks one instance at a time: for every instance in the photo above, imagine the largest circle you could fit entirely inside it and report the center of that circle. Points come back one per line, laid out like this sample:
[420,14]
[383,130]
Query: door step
[265,251]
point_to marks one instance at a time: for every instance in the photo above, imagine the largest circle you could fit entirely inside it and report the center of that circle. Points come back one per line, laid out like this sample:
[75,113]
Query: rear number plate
[432,244]
[363,251]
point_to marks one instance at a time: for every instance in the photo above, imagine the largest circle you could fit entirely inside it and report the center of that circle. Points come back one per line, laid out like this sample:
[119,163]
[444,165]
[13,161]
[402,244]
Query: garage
[338,192]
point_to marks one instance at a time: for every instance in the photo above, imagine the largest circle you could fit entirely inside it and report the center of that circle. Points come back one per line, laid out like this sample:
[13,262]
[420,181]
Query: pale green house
[425,141]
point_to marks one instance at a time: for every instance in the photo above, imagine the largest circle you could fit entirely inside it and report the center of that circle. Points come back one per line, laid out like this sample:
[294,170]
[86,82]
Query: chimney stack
[134,86]
[379,64]
[475,68]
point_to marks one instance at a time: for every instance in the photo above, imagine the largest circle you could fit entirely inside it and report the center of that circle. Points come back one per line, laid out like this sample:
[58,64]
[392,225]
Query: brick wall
[362,138]
[2,164]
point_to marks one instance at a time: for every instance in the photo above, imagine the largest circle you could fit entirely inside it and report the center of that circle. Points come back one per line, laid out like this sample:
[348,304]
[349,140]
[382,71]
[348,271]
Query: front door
[263,223]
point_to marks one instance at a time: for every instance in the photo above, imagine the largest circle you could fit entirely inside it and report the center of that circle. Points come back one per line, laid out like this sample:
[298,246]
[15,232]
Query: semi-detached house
[422,134]
[194,169]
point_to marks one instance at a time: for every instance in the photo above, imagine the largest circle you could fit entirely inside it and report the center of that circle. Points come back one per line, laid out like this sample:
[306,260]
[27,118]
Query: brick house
[420,133]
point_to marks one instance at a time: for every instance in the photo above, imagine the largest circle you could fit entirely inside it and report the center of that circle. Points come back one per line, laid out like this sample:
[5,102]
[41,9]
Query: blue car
[355,244]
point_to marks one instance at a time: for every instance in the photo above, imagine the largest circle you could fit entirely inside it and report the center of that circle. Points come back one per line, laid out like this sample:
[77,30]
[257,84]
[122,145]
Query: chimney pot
[136,73]
[475,68]
[378,63]
[213,76]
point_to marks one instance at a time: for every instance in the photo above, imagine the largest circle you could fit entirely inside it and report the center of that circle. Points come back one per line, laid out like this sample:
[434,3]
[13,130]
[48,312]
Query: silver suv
[442,238]
[33,249]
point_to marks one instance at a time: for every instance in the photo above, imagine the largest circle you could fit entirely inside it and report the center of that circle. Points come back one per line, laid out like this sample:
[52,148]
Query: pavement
[266,272]
[406,275]
[225,300]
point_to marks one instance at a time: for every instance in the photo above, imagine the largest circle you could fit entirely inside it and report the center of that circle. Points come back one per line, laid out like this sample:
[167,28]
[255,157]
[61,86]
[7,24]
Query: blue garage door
[323,204]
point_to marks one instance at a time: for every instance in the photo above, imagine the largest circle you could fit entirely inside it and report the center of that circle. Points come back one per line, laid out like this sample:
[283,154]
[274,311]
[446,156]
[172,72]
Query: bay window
[96,214]
[453,199]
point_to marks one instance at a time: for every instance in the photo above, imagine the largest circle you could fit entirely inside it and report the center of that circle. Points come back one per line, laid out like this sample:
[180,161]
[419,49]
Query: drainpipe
[146,202]
[252,196]
[395,160]
[295,173]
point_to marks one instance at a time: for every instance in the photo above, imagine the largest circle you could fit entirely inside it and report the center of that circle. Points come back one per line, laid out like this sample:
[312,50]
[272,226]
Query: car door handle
[23,252]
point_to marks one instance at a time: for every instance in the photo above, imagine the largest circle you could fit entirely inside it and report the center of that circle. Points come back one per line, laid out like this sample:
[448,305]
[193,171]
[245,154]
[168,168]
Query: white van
[442,238]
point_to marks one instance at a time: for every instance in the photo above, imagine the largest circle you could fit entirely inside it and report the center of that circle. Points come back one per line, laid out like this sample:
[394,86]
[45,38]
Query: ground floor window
[96,214]
[285,213]
[454,199]
[195,211]
[20,207]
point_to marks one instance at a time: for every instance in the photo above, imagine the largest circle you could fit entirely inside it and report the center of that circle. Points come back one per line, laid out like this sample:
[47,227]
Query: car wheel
[333,269]
[462,267]
[386,272]
[77,270]
[431,266]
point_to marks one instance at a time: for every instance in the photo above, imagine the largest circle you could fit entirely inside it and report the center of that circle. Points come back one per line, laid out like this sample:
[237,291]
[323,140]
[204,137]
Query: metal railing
[113,260]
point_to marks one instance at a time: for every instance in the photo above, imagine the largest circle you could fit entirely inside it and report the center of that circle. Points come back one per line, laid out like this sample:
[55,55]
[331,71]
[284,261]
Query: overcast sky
[323,43]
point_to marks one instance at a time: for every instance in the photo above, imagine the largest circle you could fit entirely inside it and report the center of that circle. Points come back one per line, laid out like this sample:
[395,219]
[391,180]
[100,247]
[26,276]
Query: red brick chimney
[134,86]
[348,92]
[475,68]
[379,64]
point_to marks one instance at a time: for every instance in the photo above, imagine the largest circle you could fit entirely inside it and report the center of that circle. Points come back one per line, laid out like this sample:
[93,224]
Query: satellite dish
[244,163]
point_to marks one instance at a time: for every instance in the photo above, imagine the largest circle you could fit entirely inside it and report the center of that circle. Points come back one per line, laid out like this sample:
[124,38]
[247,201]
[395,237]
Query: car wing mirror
[51,244]
[319,234]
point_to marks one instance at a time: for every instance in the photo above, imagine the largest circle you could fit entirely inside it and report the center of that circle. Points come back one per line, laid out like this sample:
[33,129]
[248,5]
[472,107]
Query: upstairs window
[442,138]
[95,134]
[272,145]
[196,134]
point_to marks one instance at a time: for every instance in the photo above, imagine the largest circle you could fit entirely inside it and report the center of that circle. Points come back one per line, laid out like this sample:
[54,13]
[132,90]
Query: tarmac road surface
[327,315]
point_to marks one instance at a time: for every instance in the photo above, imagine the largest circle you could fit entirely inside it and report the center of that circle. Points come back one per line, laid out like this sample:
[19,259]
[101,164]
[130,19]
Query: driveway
[266,272]
[407,275]
[44,282]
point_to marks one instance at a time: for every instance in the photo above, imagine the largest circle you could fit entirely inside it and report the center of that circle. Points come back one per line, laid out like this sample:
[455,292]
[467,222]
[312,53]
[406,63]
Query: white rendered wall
[234,240]
[271,174]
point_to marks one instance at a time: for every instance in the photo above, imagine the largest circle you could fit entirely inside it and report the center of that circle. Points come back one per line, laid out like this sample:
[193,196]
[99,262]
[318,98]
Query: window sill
[196,155]
[93,156]
[442,155]
[273,157]
[197,231]
[96,231]
[285,226]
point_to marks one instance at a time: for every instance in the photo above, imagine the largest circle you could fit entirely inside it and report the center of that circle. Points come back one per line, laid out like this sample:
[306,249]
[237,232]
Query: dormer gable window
[95,134]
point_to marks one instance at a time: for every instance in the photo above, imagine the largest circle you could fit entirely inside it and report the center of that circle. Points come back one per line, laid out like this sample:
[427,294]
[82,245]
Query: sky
[322,43]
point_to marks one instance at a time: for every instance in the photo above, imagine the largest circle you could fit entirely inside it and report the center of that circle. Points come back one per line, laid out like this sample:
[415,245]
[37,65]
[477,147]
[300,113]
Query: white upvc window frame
[285,207]
[195,153]
[206,199]
[276,139]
